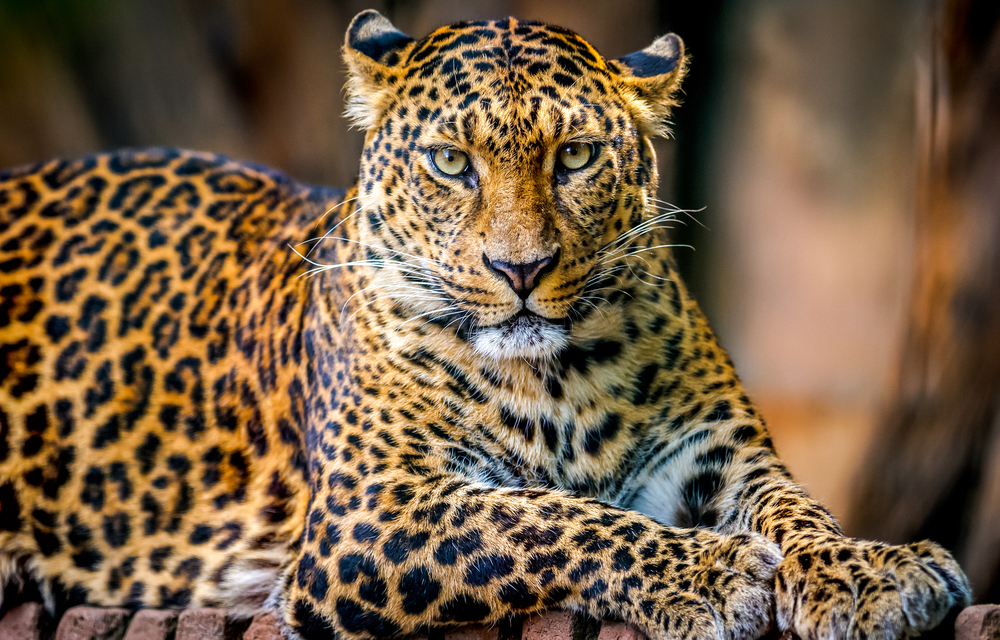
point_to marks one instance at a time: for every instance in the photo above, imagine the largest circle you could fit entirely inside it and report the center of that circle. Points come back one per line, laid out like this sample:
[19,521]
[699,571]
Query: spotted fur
[219,387]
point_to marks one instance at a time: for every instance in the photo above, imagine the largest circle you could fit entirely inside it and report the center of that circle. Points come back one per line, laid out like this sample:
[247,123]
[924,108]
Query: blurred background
[827,240]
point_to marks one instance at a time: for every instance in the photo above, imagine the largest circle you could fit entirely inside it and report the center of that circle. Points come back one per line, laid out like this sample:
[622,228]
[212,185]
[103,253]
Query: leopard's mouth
[526,318]
[525,334]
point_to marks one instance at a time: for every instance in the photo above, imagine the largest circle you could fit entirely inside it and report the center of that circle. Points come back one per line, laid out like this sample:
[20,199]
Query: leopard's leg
[828,585]
[401,554]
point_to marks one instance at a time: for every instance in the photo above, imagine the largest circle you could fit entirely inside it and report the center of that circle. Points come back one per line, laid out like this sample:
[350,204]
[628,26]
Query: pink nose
[522,277]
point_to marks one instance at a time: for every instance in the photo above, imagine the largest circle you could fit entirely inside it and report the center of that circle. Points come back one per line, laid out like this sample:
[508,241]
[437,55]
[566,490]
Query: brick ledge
[29,622]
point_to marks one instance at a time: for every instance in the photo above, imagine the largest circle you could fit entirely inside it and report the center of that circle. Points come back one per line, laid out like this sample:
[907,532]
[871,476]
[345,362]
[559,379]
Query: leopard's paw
[860,590]
[724,592]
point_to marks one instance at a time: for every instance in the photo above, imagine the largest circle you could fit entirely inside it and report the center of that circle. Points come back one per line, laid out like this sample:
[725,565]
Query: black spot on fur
[485,569]
[48,542]
[157,558]
[606,430]
[419,590]
[88,559]
[117,529]
[463,608]
[364,532]
[455,547]
[353,564]
[721,411]
[313,576]
[397,548]
[309,624]
[356,619]
[518,594]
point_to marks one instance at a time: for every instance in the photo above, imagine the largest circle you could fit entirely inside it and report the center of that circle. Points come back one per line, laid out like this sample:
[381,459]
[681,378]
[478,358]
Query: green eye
[451,162]
[576,155]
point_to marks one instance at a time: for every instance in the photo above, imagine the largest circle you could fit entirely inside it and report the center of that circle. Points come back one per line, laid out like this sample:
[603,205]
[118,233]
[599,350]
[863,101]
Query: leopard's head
[501,160]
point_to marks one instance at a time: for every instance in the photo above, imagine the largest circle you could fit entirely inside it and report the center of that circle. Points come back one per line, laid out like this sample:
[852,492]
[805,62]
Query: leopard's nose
[522,277]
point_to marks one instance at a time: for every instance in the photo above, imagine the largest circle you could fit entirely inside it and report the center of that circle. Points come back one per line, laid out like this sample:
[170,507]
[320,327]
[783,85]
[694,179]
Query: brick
[620,631]
[981,622]
[553,625]
[92,623]
[509,629]
[209,624]
[152,624]
[201,624]
[264,627]
[475,632]
[22,622]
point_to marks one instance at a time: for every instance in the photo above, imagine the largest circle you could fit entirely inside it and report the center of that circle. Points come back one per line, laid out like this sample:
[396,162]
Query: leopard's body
[480,394]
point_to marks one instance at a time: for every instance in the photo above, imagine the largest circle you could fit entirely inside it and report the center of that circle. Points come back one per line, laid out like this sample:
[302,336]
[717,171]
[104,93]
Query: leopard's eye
[451,162]
[576,155]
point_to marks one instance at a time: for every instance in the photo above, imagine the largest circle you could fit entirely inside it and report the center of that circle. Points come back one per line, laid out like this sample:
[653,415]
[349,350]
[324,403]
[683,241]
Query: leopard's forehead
[518,42]
[508,58]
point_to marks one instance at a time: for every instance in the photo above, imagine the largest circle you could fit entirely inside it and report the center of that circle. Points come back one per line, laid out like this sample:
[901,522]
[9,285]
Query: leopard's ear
[651,78]
[373,50]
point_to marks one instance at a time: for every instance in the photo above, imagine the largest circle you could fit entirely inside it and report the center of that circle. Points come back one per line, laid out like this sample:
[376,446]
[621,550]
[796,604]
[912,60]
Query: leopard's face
[502,160]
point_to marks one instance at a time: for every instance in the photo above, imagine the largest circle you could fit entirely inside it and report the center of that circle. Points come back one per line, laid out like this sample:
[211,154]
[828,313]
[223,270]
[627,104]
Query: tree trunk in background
[934,470]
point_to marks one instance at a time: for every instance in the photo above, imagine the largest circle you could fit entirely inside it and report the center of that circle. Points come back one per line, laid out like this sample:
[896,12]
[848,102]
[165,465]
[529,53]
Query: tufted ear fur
[653,76]
[372,47]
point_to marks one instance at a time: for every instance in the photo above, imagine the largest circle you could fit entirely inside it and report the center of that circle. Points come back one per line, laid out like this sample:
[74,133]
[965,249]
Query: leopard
[469,388]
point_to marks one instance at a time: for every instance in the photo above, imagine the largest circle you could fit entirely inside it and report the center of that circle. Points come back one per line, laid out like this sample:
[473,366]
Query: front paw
[721,592]
[860,590]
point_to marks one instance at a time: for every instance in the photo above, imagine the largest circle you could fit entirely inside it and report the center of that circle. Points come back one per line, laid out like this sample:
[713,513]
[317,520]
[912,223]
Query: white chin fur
[531,340]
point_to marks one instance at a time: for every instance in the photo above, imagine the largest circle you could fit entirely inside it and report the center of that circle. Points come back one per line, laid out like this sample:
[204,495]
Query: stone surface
[201,624]
[264,627]
[619,631]
[22,622]
[152,624]
[550,626]
[92,623]
[981,622]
